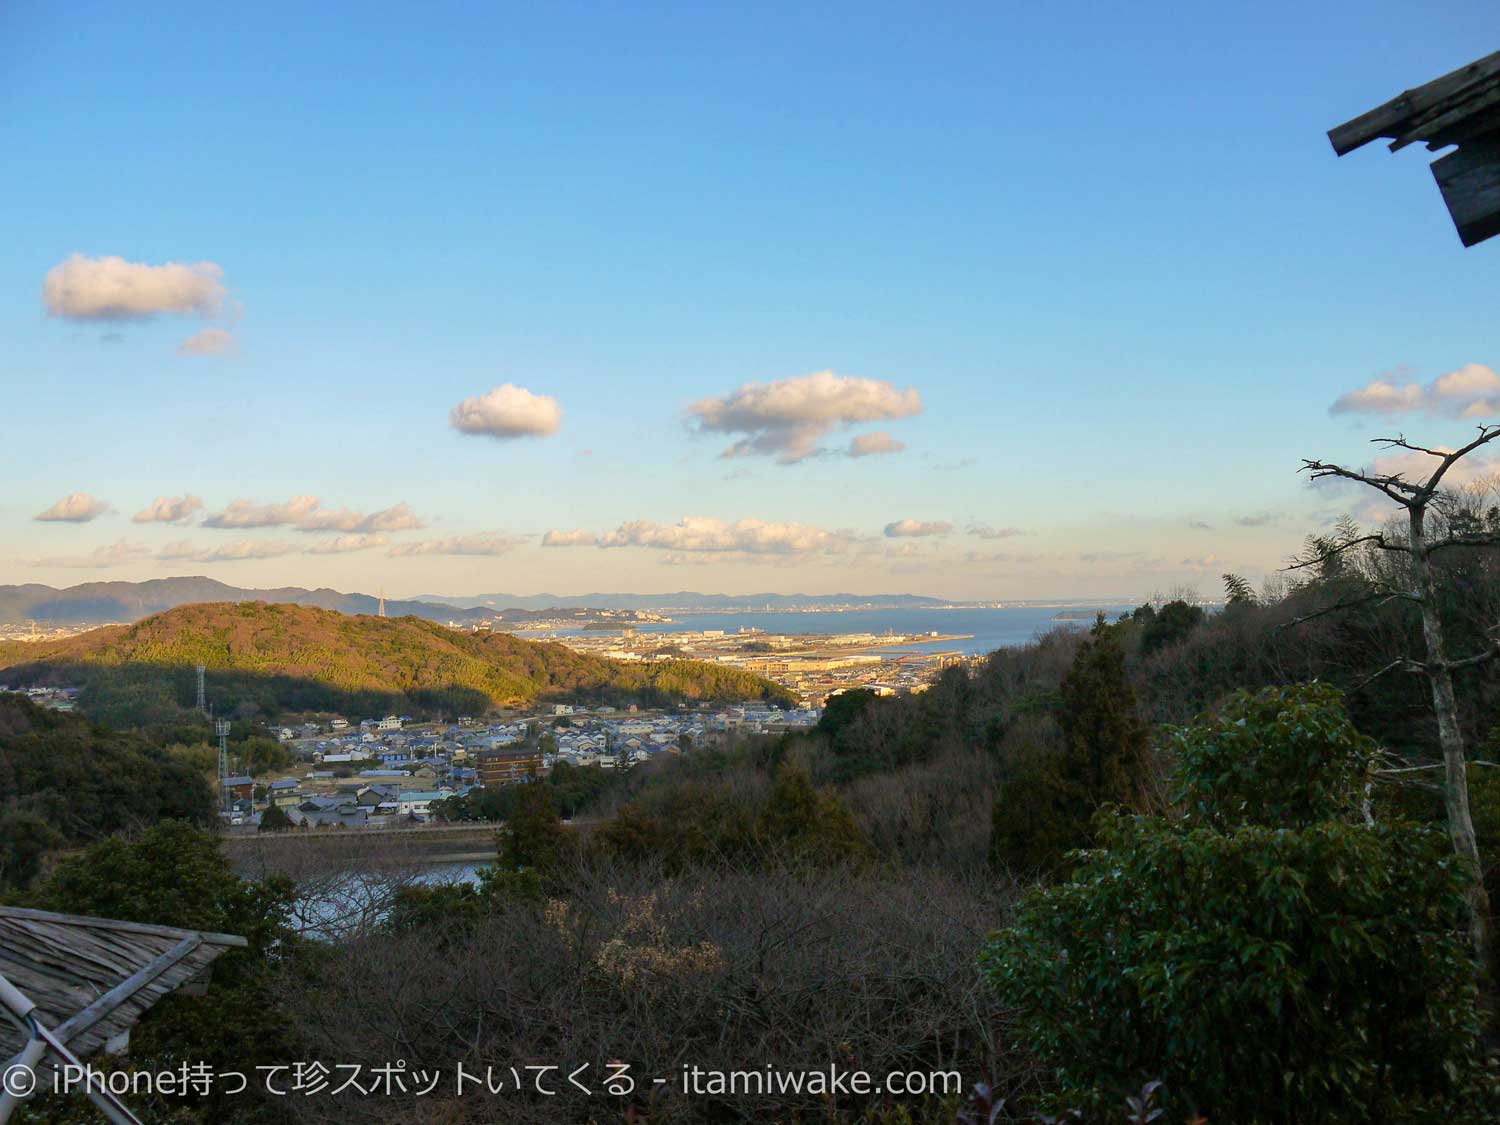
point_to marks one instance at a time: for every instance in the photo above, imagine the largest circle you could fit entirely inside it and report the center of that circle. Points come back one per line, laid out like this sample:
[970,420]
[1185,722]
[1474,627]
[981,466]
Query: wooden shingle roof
[93,978]
[1463,109]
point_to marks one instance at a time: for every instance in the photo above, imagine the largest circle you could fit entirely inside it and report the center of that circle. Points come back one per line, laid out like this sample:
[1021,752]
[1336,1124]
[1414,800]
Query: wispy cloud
[507,412]
[1472,391]
[1257,519]
[874,444]
[240,514]
[788,419]
[917,529]
[344,544]
[492,544]
[117,553]
[575,538]
[987,531]
[110,288]
[211,341]
[707,535]
[240,550]
[76,507]
[306,513]
[169,509]
[398,517]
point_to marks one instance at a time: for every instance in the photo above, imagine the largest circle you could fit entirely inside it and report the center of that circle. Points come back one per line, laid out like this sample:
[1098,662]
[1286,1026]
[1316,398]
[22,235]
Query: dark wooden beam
[1399,115]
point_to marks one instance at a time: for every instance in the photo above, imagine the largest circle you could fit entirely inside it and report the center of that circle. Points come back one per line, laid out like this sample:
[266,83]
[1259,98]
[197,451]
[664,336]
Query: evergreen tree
[1047,802]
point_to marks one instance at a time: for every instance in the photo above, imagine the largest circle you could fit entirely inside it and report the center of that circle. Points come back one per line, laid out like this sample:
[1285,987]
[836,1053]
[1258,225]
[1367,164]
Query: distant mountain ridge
[103,603]
[688,600]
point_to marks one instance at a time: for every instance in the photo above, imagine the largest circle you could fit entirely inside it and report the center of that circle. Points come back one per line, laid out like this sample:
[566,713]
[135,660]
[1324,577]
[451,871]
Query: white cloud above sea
[507,412]
[76,507]
[110,288]
[1471,391]
[789,418]
[169,509]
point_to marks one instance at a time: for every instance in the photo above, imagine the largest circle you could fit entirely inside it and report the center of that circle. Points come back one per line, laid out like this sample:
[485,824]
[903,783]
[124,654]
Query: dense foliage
[1270,956]
[266,659]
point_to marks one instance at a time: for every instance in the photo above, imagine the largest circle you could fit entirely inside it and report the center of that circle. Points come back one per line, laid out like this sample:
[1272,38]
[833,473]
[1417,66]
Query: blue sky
[1108,245]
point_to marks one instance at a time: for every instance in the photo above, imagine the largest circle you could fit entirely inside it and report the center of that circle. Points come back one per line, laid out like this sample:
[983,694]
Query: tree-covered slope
[281,658]
[66,781]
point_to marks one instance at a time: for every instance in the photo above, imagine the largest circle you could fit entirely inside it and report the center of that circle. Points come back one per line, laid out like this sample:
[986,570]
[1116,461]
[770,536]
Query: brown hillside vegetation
[298,658]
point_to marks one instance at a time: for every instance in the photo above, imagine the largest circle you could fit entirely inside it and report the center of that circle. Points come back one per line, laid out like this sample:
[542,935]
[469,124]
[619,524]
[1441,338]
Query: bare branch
[1380,597]
[1486,434]
[1400,442]
[1485,539]
[1377,540]
[1478,658]
[1392,485]
[1404,663]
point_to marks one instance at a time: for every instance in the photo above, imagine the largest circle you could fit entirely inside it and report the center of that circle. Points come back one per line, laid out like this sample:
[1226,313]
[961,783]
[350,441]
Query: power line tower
[221,728]
[202,695]
[381,611]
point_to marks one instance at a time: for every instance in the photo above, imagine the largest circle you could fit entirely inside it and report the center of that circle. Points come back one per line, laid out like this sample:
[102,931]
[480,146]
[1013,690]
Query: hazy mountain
[687,600]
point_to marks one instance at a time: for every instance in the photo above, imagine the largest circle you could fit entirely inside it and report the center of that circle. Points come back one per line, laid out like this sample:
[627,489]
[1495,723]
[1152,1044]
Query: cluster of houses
[389,772]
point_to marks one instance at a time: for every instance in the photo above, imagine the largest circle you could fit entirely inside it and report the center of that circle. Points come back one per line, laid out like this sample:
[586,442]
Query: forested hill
[272,659]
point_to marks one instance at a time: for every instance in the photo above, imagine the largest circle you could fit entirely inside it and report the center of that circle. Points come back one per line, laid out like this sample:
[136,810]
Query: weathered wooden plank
[127,988]
[1385,120]
[106,924]
[1470,182]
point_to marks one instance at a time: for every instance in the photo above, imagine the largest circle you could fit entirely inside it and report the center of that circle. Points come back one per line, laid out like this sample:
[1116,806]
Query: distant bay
[985,629]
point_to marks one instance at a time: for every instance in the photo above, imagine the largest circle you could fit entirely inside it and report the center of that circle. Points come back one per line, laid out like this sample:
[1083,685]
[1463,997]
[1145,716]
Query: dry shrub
[721,969]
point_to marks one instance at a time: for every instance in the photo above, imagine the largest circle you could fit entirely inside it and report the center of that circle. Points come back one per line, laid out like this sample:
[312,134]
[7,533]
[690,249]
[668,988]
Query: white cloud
[168,509]
[508,411]
[1205,562]
[76,507]
[1472,391]
[917,529]
[111,288]
[211,341]
[748,536]
[238,551]
[116,554]
[343,544]
[987,531]
[575,538]
[246,513]
[787,419]
[493,544]
[874,444]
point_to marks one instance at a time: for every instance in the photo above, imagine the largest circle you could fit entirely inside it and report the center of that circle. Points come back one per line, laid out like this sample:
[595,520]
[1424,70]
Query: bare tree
[1418,586]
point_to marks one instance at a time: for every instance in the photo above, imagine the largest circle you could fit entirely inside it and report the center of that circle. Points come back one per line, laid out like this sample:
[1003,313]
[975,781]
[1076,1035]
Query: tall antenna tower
[382,603]
[202,695]
[221,728]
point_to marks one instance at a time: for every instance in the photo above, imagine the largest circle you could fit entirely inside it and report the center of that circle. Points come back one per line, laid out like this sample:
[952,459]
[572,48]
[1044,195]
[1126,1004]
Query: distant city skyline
[975,302]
